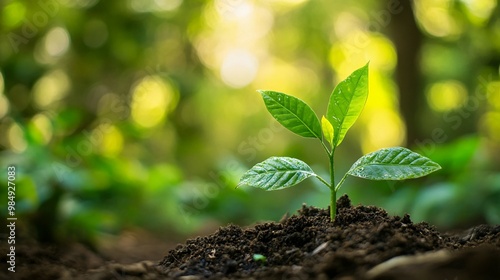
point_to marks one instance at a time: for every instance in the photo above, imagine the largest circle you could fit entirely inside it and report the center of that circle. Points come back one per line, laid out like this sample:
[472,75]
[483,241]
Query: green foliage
[292,113]
[277,173]
[392,164]
[346,103]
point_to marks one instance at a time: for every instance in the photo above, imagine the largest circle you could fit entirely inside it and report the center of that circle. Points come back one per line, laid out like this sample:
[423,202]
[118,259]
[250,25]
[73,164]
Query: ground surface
[361,244]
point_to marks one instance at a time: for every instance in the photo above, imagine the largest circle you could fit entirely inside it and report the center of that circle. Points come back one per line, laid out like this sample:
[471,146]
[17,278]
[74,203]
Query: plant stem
[331,186]
[326,148]
[341,182]
[333,204]
[324,182]
[333,189]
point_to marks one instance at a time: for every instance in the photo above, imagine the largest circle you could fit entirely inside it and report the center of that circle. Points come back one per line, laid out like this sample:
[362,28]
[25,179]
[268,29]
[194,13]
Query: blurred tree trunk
[407,38]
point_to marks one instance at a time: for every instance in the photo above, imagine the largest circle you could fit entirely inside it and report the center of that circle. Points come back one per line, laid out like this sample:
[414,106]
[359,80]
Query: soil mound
[310,246]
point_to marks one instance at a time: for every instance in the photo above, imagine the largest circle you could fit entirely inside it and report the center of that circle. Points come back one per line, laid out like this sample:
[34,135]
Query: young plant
[259,258]
[346,103]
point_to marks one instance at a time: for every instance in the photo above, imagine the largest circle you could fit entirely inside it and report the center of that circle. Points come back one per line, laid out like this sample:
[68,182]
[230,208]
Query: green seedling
[345,105]
[259,258]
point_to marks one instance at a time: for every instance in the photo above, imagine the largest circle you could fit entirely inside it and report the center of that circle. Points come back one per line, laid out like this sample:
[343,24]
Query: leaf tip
[438,166]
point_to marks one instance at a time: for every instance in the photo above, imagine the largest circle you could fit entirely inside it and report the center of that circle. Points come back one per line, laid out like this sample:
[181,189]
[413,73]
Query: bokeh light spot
[57,42]
[153,98]
[234,9]
[446,96]
[436,19]
[4,103]
[2,83]
[290,78]
[493,90]
[345,24]
[16,138]
[382,53]
[385,129]
[479,10]
[50,89]
[360,47]
[43,126]
[168,5]
[490,125]
[111,140]
[239,68]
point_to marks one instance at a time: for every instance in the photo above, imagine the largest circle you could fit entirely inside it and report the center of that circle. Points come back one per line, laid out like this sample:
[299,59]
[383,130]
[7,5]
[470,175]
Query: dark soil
[364,242]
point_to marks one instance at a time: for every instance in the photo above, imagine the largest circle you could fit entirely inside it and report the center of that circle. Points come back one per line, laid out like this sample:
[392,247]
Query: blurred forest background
[144,113]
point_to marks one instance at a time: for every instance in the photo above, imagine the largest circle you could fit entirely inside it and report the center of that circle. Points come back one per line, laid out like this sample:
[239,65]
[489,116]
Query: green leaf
[327,128]
[346,102]
[292,113]
[276,173]
[392,164]
[259,258]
